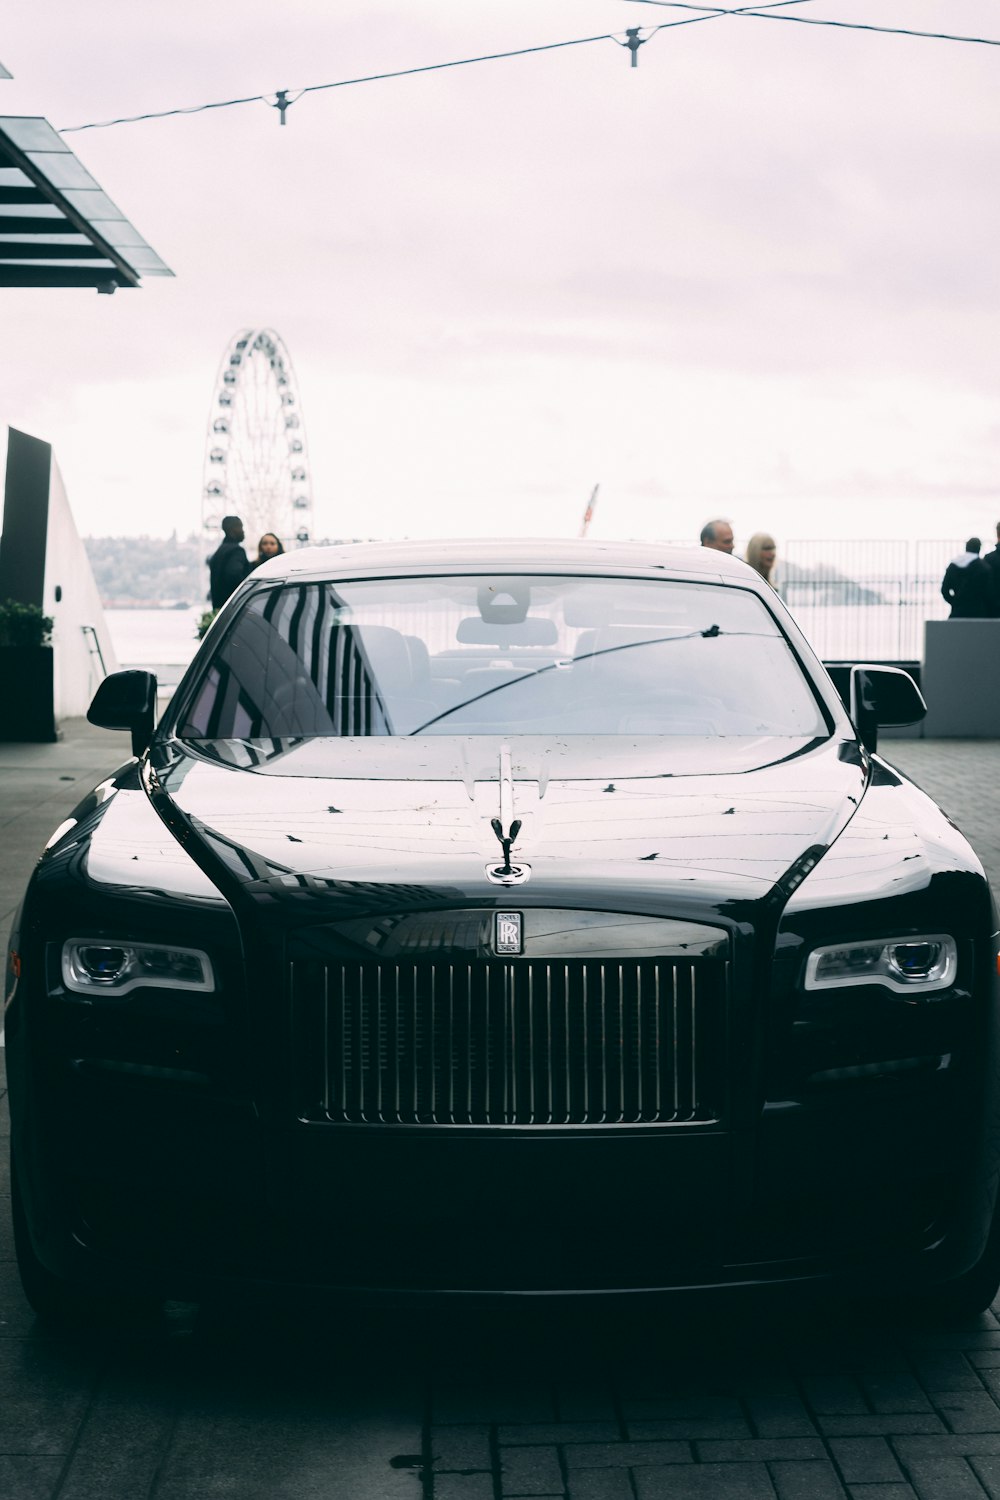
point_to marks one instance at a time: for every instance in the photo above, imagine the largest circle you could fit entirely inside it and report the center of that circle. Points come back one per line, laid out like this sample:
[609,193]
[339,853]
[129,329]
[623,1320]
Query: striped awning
[57,227]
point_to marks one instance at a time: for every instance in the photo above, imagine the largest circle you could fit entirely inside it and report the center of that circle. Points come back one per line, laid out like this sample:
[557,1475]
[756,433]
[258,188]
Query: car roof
[525,553]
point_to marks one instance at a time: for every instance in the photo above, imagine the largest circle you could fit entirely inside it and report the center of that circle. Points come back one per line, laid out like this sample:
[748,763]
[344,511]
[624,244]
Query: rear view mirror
[883,696]
[126,700]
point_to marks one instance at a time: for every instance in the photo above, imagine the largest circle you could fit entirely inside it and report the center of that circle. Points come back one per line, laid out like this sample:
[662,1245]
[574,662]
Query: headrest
[387,653]
[611,644]
[535,630]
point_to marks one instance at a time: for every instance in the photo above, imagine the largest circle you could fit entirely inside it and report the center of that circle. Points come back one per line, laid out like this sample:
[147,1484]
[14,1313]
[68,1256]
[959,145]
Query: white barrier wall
[43,562]
[80,636]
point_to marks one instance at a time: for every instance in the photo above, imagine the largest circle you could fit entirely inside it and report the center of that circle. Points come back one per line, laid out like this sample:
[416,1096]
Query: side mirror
[883,696]
[126,700]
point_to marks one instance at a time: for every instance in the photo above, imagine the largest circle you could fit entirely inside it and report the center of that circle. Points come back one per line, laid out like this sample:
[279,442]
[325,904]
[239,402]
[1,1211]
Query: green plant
[205,622]
[24,624]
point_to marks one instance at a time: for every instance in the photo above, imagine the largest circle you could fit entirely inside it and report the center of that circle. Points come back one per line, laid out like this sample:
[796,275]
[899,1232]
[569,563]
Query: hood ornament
[507,873]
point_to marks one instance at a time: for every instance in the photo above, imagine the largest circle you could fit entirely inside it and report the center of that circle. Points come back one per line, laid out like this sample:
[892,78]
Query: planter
[26,698]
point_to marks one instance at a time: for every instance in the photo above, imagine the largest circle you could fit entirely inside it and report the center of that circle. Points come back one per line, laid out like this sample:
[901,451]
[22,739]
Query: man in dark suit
[954,573]
[979,596]
[228,564]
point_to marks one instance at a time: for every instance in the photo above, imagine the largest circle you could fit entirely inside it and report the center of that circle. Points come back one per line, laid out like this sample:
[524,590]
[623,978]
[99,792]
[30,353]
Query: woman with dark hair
[269,546]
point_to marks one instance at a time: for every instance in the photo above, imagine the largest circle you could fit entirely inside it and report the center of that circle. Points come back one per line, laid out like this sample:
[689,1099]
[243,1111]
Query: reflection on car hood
[723,818]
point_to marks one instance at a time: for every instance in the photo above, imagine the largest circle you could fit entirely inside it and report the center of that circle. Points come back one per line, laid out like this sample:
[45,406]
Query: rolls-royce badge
[508,932]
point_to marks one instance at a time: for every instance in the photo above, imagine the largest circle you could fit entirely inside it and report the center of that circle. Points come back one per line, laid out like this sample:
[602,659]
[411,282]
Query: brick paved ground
[706,1400]
[964,777]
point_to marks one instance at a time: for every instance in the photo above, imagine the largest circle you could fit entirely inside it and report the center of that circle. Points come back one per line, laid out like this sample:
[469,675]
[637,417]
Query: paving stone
[257,1436]
[560,1432]
[601,1484]
[124,1436]
[881,1492]
[897,1392]
[780,1415]
[886,1425]
[16,1317]
[705,1482]
[968,1411]
[460,1487]
[847,1351]
[530,1471]
[980,1336]
[948,1371]
[987,1471]
[28,1478]
[626,1455]
[718,1409]
[945,1479]
[461,1448]
[864,1460]
[834,1395]
[965,1444]
[982,1359]
[759,1450]
[45,1389]
[806,1481]
[690,1429]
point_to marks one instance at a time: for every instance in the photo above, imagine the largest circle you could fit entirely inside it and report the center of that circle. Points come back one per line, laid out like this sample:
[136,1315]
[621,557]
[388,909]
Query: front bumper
[129,1187]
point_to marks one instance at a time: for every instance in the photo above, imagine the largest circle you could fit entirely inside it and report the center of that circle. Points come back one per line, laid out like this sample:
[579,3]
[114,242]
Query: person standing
[269,546]
[228,564]
[760,554]
[718,535]
[979,595]
[955,572]
[992,562]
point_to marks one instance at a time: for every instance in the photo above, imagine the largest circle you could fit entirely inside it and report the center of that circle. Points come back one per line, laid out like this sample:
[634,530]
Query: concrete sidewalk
[41,784]
[963,777]
[39,787]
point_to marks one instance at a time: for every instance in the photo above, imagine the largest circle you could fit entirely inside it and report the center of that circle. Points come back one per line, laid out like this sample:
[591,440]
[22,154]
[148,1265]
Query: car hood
[626,821]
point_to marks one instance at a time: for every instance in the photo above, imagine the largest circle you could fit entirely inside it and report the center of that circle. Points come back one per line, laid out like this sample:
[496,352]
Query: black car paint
[827,1160]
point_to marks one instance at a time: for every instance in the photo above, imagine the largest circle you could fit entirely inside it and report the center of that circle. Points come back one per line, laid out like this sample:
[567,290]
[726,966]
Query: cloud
[762,263]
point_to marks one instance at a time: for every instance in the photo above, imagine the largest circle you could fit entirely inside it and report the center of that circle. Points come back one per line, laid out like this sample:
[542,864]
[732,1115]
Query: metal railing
[94,646]
[865,599]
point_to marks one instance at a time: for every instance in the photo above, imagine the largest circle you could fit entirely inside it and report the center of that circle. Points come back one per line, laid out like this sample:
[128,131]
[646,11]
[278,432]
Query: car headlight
[906,965]
[93,965]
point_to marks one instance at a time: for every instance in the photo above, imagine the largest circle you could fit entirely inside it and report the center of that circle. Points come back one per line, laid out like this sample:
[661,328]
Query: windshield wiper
[689,635]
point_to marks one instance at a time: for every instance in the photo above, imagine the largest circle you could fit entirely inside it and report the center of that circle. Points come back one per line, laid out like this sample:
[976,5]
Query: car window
[499,655]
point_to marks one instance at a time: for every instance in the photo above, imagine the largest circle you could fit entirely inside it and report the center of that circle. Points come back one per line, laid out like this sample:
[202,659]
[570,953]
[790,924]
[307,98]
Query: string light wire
[283,99]
[291,95]
[763,13]
[343,83]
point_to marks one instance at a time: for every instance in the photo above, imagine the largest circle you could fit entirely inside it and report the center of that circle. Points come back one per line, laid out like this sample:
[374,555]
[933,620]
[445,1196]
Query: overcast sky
[755,276]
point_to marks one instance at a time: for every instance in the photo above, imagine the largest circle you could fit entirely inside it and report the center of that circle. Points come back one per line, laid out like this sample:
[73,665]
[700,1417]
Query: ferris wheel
[256,465]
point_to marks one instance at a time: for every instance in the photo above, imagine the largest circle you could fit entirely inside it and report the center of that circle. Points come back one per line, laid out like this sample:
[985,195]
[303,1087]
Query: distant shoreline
[148,604]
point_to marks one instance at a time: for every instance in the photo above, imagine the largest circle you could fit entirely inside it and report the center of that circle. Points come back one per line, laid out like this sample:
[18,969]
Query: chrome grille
[519,1042]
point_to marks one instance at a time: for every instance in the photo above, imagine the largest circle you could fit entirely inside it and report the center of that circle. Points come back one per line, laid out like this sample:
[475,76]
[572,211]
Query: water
[873,632]
[159,640]
[163,640]
[853,599]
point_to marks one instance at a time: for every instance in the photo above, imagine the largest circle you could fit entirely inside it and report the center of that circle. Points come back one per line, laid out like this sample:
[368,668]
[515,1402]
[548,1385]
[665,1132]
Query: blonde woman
[760,554]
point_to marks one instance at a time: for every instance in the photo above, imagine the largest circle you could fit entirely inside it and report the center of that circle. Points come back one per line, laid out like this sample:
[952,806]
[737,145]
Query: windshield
[501,655]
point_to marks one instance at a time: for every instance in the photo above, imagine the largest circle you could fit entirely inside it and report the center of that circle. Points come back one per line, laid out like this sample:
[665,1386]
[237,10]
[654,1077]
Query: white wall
[77,668]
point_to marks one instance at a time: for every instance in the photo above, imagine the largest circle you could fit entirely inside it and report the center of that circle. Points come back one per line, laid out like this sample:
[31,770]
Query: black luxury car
[504,917]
